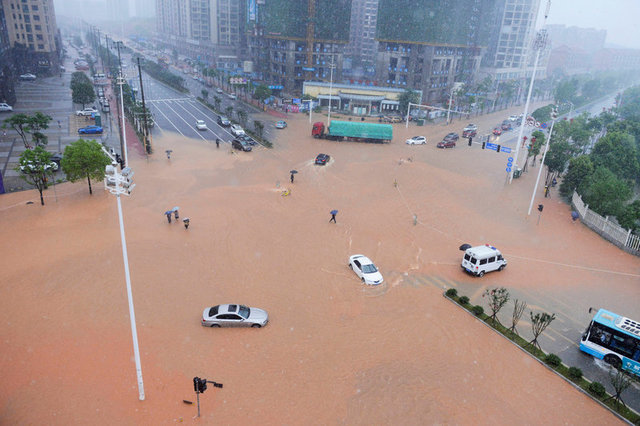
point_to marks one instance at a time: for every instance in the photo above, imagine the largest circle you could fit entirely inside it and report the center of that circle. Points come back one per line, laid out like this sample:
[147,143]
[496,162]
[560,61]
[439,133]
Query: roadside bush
[477,310]
[597,389]
[452,292]
[575,373]
[553,360]
[463,300]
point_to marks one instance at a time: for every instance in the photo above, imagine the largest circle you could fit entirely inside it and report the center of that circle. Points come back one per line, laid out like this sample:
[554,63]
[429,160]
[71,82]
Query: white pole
[124,130]
[132,315]
[408,111]
[524,116]
[330,89]
[449,109]
[546,148]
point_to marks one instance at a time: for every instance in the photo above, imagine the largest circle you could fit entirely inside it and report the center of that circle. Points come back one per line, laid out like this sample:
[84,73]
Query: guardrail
[610,231]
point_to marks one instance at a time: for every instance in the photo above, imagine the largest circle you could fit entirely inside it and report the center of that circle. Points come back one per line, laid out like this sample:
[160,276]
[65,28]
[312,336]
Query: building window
[41,46]
[36,17]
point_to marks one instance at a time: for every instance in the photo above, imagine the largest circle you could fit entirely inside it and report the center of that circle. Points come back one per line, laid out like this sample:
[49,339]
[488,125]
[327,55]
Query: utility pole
[147,135]
[330,90]
[120,82]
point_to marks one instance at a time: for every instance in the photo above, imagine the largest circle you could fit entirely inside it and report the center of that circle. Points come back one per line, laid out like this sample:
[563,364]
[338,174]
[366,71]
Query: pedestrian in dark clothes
[333,218]
[186,222]
[168,216]
[176,213]
[217,143]
[291,177]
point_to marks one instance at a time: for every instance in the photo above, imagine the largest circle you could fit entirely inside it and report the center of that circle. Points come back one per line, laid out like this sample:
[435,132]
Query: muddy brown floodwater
[334,351]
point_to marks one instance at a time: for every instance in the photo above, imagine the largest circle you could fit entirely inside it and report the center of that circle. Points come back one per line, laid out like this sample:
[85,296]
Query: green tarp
[361,130]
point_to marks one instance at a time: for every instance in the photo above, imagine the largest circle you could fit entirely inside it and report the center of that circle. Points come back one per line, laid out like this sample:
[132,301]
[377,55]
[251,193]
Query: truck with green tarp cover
[353,131]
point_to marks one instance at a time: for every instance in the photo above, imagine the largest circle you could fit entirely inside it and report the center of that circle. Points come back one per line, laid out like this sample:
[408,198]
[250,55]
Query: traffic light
[196,383]
[202,386]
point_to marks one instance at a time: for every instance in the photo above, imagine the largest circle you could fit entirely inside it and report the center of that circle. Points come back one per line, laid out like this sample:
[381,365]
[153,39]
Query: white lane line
[170,122]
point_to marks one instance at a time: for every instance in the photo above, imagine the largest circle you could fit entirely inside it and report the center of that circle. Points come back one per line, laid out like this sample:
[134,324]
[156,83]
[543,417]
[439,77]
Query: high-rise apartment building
[293,42]
[33,34]
[429,44]
[7,70]
[510,52]
[202,28]
[362,47]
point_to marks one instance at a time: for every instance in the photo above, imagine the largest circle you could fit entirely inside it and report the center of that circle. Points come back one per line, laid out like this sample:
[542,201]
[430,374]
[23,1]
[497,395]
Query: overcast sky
[621,18]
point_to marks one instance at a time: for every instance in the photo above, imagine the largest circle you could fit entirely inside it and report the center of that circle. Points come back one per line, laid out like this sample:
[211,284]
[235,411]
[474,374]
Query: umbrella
[574,215]
[465,246]
[334,212]
[293,172]
[175,208]
[168,212]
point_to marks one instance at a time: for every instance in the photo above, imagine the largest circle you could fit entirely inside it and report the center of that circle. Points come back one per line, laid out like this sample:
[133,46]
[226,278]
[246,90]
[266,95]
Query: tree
[217,102]
[537,145]
[242,117]
[566,90]
[35,168]
[83,93]
[262,92]
[617,152]
[620,383]
[518,310]
[229,111]
[606,193]
[84,158]
[25,124]
[259,128]
[629,109]
[543,114]
[629,217]
[205,93]
[557,157]
[498,297]
[539,322]
[406,97]
[578,173]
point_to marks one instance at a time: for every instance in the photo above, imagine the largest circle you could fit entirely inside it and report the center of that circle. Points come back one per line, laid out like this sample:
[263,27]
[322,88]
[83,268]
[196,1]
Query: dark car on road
[322,159]
[223,121]
[506,125]
[247,139]
[241,145]
[90,130]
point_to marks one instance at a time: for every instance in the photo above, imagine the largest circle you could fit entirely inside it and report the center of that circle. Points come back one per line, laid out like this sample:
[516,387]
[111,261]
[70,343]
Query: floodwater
[334,351]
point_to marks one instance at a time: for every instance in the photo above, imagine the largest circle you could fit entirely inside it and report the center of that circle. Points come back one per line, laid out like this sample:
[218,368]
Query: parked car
[5,107]
[497,131]
[391,119]
[365,269]
[446,143]
[87,111]
[223,121]
[90,130]
[241,145]
[416,140]
[322,159]
[27,77]
[56,158]
[451,137]
[236,130]
[515,117]
[219,90]
[247,139]
[281,124]
[470,131]
[234,316]
[232,96]
[201,125]
[506,125]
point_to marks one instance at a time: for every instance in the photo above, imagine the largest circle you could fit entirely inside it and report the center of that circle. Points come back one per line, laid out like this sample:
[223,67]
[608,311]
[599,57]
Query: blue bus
[614,339]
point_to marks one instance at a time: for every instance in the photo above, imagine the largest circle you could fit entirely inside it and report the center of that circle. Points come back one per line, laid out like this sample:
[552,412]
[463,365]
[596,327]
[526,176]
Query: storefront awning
[361,98]
[388,102]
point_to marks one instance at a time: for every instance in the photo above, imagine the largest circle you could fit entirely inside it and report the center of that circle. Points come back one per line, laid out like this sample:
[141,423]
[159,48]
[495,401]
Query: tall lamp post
[120,82]
[121,184]
[539,45]
[554,116]
[331,66]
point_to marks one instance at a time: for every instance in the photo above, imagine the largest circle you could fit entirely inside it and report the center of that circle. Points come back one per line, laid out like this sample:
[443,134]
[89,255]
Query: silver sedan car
[234,316]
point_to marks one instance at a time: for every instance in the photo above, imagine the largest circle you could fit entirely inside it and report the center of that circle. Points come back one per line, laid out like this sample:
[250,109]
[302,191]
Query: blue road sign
[510,159]
[506,149]
[492,146]
[544,125]
[508,169]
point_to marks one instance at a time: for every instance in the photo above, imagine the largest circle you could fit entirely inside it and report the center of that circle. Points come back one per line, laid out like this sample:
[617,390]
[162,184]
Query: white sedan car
[87,111]
[365,269]
[417,140]
[5,107]
[201,125]
[236,130]
[234,316]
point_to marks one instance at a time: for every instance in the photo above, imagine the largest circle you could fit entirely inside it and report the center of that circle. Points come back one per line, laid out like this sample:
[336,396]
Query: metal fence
[610,231]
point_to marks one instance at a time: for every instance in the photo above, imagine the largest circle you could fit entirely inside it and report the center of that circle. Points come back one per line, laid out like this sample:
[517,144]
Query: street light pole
[554,115]
[117,184]
[330,90]
[539,45]
[449,109]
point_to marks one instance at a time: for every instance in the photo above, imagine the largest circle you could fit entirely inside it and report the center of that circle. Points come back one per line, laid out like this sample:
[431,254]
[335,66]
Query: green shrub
[463,300]
[597,389]
[552,360]
[477,310]
[452,292]
[575,373]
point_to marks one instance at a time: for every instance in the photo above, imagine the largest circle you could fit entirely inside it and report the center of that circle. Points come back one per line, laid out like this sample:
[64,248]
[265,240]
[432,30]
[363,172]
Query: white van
[481,259]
